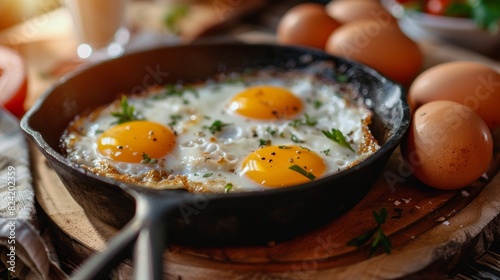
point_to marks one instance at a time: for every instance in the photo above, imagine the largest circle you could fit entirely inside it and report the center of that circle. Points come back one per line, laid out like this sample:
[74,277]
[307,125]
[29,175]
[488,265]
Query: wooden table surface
[50,53]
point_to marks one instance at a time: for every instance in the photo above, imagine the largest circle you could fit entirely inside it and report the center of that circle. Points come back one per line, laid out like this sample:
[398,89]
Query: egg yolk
[130,141]
[279,166]
[266,103]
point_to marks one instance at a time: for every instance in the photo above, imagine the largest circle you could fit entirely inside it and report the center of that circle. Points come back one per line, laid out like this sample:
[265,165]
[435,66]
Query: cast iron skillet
[202,219]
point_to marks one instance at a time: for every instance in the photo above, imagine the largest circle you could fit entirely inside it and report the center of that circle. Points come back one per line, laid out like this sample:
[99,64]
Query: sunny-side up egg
[243,132]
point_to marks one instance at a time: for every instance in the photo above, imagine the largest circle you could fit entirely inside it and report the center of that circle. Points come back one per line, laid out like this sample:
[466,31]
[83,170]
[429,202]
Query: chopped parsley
[127,113]
[174,90]
[179,90]
[284,147]
[317,104]
[326,152]
[308,121]
[264,142]
[270,131]
[295,139]
[336,136]
[302,171]
[206,175]
[216,126]
[174,119]
[228,187]
[376,234]
[147,159]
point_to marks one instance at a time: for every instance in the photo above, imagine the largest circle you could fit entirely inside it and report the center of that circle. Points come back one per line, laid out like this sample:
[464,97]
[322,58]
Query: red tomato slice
[13,82]
[436,7]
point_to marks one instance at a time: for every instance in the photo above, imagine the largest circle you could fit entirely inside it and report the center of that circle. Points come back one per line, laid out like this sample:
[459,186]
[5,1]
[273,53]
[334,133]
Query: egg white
[205,162]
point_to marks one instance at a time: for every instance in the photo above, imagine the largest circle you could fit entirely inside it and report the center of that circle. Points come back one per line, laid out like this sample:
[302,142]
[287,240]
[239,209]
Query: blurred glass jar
[100,26]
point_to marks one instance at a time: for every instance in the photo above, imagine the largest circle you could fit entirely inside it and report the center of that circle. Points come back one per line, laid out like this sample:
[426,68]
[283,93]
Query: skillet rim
[388,147]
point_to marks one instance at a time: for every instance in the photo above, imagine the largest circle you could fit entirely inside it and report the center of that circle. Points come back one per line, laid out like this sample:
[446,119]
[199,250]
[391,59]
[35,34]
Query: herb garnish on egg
[147,159]
[295,139]
[264,142]
[337,136]
[228,187]
[127,113]
[216,126]
[302,171]
[308,121]
[174,119]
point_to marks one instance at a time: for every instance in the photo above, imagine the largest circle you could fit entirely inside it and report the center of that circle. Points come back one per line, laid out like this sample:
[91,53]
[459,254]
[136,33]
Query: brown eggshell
[351,10]
[473,84]
[381,46]
[448,146]
[306,25]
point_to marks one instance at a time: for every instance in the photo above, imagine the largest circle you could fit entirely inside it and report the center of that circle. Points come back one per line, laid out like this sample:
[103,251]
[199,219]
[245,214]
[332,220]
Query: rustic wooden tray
[433,232]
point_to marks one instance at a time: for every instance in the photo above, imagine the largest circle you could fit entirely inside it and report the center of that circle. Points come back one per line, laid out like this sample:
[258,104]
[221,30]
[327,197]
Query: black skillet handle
[144,237]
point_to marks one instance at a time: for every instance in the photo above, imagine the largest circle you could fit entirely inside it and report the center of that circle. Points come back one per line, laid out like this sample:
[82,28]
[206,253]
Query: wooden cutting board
[433,233]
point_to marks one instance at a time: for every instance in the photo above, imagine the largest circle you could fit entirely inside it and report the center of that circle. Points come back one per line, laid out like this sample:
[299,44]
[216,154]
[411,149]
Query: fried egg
[250,131]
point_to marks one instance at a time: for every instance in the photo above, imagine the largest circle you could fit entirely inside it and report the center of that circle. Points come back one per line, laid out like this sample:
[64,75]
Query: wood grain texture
[432,231]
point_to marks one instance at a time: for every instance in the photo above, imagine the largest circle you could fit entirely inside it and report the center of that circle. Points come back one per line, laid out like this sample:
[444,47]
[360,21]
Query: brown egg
[473,84]
[448,146]
[306,25]
[383,47]
[348,11]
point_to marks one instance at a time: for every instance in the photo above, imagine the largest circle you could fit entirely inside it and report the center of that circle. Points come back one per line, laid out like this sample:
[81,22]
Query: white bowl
[460,31]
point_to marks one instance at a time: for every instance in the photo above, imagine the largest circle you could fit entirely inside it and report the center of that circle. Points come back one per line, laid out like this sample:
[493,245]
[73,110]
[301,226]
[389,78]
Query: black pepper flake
[297,152]
[263,158]
[290,160]
[397,213]
[271,160]
[120,147]
[154,139]
[273,153]
[297,157]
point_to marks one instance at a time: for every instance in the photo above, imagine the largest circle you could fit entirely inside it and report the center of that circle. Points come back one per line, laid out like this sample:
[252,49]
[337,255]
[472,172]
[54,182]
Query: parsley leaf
[317,104]
[376,234]
[264,142]
[270,131]
[302,171]
[127,113]
[336,136]
[296,139]
[179,91]
[147,159]
[174,119]
[308,121]
[216,126]
[228,187]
